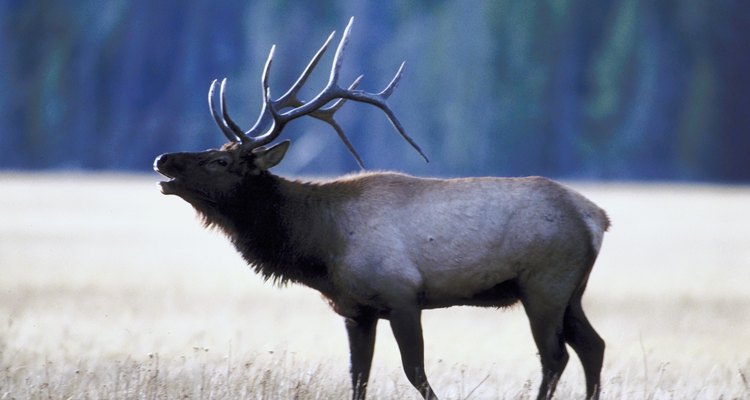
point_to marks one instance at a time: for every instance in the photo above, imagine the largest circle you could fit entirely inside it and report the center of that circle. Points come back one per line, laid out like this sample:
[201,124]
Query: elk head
[209,176]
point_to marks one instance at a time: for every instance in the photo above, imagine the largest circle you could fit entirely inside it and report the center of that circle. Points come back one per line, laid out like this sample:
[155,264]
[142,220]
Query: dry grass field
[110,290]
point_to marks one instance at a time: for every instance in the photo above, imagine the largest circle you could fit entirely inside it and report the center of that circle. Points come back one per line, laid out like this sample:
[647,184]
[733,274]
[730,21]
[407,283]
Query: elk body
[388,245]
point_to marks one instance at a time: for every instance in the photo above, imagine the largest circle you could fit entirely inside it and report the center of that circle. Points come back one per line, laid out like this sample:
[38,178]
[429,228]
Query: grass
[110,290]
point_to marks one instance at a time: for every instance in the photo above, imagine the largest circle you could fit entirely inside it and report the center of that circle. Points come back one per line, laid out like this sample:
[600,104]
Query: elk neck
[275,224]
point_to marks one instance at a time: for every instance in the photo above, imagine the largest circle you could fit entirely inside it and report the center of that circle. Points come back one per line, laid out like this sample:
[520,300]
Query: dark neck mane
[255,218]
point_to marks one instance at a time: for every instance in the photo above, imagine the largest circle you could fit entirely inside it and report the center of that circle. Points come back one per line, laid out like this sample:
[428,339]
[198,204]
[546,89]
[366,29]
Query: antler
[272,111]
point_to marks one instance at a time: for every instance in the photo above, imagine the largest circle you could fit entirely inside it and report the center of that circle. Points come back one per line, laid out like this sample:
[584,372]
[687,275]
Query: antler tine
[346,141]
[290,99]
[231,136]
[268,106]
[262,121]
[266,72]
[236,130]
[338,56]
[326,115]
[379,100]
[394,82]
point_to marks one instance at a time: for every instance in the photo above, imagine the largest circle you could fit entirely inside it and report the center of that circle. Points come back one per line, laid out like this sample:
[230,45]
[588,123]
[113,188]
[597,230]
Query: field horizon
[109,289]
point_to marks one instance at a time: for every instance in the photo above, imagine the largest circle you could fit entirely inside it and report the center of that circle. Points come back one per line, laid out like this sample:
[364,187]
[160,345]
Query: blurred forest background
[606,89]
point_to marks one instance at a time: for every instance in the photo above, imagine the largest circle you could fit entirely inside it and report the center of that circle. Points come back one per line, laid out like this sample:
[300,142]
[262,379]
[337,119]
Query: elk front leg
[407,329]
[361,331]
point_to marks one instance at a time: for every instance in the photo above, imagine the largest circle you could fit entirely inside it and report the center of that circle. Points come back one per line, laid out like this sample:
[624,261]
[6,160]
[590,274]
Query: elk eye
[218,164]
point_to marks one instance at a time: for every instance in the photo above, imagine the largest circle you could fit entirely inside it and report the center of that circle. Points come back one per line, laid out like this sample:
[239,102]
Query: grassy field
[110,290]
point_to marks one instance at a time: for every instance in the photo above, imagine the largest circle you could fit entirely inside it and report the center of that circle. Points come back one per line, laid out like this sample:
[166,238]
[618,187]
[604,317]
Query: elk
[384,245]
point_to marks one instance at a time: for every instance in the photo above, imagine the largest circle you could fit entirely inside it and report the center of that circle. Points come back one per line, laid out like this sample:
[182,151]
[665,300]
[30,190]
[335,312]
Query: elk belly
[458,283]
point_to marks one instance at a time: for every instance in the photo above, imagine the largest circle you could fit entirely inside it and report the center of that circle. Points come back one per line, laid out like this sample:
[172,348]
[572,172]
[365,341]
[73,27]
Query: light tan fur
[389,237]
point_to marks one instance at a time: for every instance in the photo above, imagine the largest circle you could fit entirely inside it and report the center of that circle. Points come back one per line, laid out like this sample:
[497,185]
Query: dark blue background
[613,89]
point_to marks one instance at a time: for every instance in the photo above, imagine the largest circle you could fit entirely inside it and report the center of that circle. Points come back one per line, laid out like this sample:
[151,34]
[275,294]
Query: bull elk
[387,245]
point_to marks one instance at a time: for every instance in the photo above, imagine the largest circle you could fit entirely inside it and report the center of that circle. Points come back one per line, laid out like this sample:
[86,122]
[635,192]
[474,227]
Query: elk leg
[587,344]
[361,331]
[547,328]
[407,329]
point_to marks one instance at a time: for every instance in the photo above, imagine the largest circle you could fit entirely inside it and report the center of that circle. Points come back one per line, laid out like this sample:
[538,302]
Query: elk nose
[160,161]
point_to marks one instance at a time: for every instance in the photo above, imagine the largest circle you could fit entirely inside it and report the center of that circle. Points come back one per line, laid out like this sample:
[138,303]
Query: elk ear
[266,158]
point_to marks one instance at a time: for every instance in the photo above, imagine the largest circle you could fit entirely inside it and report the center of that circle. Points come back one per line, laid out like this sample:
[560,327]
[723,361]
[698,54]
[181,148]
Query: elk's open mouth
[168,186]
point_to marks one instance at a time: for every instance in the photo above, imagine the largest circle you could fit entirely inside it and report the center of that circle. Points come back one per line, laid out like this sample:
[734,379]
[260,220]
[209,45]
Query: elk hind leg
[546,320]
[586,342]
